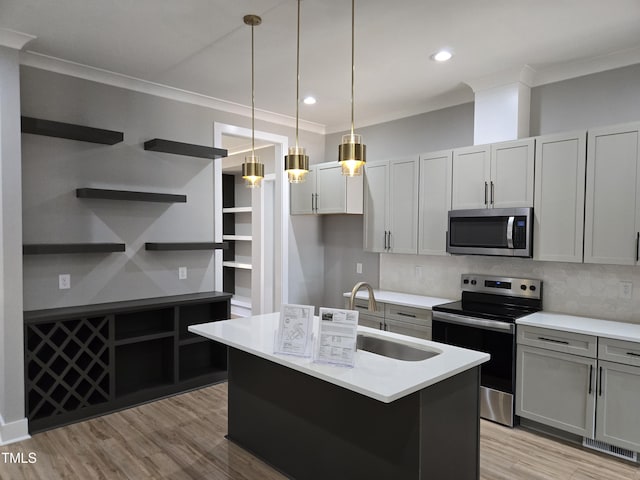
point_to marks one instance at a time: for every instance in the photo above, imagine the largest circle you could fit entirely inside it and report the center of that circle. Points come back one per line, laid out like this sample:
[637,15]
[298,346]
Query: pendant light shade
[252,169]
[296,163]
[352,153]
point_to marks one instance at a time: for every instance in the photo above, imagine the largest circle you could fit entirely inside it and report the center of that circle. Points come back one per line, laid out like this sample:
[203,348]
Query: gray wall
[53,168]
[605,98]
[343,234]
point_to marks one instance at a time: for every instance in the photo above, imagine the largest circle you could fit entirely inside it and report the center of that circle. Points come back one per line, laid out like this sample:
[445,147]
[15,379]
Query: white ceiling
[203,46]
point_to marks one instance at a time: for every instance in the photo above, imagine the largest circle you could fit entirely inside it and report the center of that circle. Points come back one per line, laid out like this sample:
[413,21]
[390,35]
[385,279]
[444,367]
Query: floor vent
[610,449]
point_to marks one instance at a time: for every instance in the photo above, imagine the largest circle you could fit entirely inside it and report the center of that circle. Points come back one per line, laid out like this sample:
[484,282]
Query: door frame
[280,214]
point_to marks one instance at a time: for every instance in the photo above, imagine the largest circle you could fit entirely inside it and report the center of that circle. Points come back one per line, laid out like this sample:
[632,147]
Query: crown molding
[521,74]
[13,39]
[78,70]
[588,66]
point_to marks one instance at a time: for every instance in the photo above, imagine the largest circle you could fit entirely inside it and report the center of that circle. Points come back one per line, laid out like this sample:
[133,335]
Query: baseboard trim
[13,432]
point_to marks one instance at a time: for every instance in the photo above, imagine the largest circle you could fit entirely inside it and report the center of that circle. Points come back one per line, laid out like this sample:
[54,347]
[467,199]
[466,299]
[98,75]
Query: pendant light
[296,163]
[252,169]
[352,153]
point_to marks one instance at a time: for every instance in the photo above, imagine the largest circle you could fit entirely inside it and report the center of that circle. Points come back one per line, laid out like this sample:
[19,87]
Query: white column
[502,106]
[13,422]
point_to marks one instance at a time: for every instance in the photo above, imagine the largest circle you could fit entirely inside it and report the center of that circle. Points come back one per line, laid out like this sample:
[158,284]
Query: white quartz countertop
[585,325]
[382,378]
[399,298]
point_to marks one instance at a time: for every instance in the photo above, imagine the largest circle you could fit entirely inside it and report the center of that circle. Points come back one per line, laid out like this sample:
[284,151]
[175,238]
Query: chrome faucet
[373,306]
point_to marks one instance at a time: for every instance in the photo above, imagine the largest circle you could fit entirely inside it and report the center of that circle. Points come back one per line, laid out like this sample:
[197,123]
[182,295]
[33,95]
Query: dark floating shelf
[187,149]
[50,128]
[128,195]
[158,247]
[59,248]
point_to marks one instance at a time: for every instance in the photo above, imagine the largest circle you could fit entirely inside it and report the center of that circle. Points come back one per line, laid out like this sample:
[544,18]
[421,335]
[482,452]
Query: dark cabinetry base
[86,361]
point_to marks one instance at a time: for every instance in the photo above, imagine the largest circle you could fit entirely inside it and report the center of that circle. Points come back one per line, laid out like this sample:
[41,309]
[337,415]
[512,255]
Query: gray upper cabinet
[391,206]
[511,182]
[435,202]
[499,175]
[471,174]
[559,197]
[612,205]
[302,195]
[327,191]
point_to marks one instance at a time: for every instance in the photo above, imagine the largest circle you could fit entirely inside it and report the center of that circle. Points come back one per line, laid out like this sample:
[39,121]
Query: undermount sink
[391,349]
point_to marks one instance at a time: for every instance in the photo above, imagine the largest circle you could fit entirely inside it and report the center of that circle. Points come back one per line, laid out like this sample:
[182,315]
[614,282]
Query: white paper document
[337,336]
[295,330]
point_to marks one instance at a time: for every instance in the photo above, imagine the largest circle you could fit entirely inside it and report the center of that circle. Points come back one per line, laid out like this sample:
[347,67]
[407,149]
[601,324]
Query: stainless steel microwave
[491,231]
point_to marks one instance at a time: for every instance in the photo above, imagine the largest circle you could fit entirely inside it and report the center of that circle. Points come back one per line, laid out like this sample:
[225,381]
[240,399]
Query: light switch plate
[358,268]
[182,273]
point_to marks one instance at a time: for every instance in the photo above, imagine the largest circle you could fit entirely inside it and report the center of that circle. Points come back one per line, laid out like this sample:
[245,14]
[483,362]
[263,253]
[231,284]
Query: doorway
[263,231]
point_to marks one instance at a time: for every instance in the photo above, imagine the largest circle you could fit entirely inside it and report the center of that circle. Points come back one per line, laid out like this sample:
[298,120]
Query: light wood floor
[183,438]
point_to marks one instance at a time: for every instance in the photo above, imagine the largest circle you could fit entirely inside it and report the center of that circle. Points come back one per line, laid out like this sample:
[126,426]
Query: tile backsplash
[576,289]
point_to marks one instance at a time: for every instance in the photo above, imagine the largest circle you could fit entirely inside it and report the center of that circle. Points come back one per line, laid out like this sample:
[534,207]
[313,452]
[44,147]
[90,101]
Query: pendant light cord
[297,76]
[253,103]
[353,62]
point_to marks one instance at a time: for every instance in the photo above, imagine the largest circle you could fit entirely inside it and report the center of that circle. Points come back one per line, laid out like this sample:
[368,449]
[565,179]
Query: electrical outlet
[64,281]
[182,273]
[358,268]
[625,290]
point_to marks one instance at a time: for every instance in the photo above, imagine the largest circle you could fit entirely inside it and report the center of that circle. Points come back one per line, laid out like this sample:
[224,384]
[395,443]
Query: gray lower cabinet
[415,322]
[553,389]
[592,394]
[617,420]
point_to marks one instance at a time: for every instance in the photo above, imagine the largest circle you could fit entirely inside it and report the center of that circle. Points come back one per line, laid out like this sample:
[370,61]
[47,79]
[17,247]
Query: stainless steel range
[484,320]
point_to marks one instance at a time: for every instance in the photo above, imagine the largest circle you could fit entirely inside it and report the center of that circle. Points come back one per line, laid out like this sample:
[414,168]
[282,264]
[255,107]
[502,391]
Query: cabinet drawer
[619,351]
[411,329]
[370,321]
[418,316]
[557,340]
[362,305]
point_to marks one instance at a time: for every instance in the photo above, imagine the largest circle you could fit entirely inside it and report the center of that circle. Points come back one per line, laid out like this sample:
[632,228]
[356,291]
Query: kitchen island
[385,418]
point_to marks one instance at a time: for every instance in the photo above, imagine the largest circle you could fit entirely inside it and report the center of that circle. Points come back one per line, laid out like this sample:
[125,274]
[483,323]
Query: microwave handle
[510,232]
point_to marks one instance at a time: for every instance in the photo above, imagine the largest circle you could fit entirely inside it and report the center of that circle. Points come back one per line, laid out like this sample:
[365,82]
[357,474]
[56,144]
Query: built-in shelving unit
[129,195]
[70,131]
[63,248]
[89,360]
[237,238]
[243,266]
[187,149]
[237,210]
[158,247]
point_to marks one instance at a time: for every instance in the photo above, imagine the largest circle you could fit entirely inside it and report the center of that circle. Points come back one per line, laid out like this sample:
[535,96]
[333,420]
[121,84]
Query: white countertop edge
[465,360]
[399,298]
[584,325]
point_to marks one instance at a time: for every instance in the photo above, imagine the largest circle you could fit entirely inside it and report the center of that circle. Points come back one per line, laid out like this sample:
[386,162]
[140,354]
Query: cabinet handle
[633,354]
[317,195]
[637,246]
[389,246]
[402,314]
[600,383]
[492,193]
[313,203]
[381,327]
[553,340]
[486,186]
[385,240]
[590,378]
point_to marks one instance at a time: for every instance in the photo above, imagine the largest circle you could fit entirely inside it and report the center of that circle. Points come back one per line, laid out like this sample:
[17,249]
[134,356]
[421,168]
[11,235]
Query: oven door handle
[474,322]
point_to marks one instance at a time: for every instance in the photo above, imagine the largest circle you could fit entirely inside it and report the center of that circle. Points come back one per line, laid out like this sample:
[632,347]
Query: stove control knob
[473,282]
[532,288]
[465,281]
[523,287]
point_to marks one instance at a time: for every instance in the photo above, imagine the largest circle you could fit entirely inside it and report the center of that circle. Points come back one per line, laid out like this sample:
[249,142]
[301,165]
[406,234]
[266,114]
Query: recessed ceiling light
[442,56]
[309,100]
